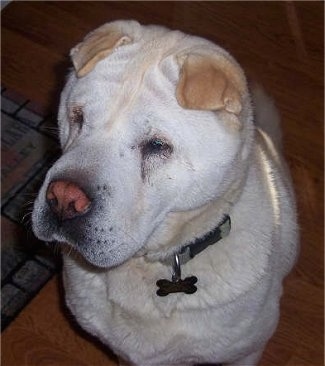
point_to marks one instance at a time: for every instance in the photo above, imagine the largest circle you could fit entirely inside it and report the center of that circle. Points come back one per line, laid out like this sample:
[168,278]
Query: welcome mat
[29,147]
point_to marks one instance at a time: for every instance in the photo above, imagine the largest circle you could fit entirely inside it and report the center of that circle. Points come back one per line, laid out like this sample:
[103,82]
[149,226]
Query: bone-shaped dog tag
[186,286]
[176,284]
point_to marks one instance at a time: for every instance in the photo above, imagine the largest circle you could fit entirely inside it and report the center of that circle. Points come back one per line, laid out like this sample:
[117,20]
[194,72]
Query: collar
[186,253]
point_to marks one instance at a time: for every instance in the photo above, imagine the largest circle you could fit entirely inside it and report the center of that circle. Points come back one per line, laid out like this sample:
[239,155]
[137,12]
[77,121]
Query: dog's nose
[67,200]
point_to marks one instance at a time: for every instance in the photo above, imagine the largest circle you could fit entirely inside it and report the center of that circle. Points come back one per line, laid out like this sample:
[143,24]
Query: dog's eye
[76,116]
[156,146]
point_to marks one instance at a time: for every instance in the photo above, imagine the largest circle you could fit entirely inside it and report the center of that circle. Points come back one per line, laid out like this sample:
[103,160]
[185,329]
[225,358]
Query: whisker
[50,128]
[26,217]
[53,131]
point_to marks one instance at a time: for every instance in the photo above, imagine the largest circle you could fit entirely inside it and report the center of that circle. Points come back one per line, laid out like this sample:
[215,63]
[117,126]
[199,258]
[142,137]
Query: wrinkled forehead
[119,62]
[128,73]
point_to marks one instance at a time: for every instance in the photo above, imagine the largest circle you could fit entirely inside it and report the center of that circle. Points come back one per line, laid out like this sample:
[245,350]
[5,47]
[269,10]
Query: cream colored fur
[222,162]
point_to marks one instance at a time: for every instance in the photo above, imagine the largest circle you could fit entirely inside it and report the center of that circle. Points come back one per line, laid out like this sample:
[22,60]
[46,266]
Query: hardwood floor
[280,43]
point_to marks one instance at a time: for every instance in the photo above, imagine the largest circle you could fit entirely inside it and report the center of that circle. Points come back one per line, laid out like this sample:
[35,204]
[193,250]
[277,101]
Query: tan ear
[206,84]
[96,46]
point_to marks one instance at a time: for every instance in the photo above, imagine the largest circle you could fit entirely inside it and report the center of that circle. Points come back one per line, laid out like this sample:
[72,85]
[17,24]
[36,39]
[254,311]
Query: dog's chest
[123,310]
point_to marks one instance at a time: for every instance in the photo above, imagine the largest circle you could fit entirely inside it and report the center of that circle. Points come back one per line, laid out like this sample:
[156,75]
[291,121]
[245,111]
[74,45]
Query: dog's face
[151,123]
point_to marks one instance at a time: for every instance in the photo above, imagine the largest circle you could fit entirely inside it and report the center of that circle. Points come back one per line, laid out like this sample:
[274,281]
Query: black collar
[189,251]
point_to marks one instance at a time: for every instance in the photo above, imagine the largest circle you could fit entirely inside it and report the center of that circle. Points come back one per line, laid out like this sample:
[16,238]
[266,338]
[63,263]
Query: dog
[172,197]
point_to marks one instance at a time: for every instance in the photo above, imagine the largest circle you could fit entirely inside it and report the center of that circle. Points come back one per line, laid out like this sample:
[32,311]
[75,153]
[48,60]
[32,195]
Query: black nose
[67,200]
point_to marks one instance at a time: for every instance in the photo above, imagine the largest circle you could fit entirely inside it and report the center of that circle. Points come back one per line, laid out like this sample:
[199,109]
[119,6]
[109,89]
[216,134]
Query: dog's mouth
[88,236]
[70,250]
[97,249]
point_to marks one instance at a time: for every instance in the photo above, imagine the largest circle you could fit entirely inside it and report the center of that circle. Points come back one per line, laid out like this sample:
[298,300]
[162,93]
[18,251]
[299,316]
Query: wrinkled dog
[172,197]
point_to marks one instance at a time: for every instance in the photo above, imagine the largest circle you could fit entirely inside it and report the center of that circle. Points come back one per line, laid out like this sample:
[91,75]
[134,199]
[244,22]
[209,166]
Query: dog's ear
[207,83]
[96,46]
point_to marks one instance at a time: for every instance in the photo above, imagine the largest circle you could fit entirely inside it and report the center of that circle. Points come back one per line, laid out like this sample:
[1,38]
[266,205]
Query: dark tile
[12,300]
[31,276]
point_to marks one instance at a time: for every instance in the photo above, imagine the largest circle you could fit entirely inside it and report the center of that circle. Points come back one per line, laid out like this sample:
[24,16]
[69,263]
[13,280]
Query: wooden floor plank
[42,335]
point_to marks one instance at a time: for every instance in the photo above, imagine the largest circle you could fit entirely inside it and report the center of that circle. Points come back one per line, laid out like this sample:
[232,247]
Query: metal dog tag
[186,286]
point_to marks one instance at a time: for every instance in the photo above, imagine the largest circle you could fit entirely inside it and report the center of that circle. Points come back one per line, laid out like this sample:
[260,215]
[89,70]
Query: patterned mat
[28,147]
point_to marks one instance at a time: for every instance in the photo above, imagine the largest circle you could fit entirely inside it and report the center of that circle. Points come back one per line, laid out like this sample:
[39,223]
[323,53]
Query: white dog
[173,198]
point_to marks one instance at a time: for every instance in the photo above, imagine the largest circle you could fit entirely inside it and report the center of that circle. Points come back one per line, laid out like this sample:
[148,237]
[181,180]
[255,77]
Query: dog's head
[152,122]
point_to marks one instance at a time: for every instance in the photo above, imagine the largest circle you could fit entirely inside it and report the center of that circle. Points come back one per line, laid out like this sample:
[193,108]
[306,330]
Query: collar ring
[177,273]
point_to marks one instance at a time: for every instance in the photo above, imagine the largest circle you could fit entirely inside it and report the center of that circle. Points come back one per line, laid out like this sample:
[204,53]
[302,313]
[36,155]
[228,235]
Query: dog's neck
[189,251]
[183,228]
